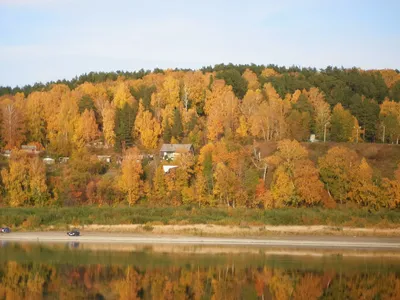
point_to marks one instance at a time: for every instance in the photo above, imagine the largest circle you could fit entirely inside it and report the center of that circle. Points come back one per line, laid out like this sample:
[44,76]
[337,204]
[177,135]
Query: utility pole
[357,128]
[326,124]
[357,133]
[383,134]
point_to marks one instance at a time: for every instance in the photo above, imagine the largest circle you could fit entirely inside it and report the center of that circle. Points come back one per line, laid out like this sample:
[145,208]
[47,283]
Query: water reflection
[71,271]
[73,245]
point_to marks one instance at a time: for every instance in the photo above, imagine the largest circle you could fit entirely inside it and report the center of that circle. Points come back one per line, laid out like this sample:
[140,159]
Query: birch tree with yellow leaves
[122,95]
[322,111]
[130,181]
[86,129]
[146,128]
[269,120]
[390,191]
[35,118]
[62,113]
[222,108]
[25,181]
[390,121]
[252,79]
[108,114]
[363,191]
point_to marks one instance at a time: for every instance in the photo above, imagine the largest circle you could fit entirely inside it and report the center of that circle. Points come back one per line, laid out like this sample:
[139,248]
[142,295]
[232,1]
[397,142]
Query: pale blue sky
[42,40]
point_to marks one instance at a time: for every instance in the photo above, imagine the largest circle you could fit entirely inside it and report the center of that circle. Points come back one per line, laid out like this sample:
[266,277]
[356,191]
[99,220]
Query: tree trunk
[265,173]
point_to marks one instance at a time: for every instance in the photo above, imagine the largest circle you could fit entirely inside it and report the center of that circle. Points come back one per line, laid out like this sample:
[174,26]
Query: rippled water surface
[86,271]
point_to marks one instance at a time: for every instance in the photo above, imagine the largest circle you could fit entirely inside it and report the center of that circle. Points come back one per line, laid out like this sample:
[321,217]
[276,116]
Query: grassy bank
[37,218]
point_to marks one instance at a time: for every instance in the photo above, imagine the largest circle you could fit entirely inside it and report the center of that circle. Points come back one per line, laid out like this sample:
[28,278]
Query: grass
[36,218]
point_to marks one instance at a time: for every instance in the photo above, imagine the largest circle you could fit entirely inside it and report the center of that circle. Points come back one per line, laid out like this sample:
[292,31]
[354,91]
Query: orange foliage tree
[296,181]
[12,125]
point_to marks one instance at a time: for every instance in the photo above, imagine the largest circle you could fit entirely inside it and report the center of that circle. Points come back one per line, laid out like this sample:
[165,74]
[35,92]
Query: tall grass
[35,218]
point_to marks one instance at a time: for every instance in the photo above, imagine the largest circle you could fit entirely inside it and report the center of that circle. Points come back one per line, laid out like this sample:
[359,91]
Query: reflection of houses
[30,149]
[171,151]
[105,158]
[49,161]
[168,168]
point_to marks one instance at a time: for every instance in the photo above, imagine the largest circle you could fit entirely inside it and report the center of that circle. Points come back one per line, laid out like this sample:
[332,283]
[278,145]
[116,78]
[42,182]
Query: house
[98,144]
[171,151]
[167,168]
[49,161]
[30,149]
[63,160]
[7,153]
[105,158]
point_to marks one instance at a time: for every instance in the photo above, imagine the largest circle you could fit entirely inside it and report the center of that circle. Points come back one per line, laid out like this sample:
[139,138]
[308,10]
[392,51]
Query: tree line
[225,111]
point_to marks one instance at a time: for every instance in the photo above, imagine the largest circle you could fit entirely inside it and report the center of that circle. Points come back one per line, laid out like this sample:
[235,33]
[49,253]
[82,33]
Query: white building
[171,151]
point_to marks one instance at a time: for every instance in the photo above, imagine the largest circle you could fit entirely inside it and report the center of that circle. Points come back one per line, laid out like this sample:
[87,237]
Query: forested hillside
[246,124]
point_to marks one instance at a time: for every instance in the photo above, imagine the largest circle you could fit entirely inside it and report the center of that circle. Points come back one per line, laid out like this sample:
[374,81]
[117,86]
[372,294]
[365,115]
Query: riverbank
[202,220]
[152,239]
[211,230]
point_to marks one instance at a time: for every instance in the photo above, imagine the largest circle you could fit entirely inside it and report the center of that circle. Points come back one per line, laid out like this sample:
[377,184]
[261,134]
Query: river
[110,271]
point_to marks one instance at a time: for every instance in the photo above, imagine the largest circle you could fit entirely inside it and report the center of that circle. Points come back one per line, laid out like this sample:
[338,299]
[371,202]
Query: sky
[44,40]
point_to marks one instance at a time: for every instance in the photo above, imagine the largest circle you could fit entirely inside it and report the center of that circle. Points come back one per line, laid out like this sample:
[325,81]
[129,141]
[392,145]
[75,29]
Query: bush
[32,222]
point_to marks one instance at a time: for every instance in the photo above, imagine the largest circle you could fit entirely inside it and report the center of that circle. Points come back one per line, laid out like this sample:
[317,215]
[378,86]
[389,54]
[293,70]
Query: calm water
[74,271]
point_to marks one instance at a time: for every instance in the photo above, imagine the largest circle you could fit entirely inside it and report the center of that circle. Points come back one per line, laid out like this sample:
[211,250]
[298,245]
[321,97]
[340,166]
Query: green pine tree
[167,134]
[124,121]
[177,128]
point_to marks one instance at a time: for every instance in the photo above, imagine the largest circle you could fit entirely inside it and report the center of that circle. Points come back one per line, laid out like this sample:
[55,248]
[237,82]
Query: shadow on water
[82,271]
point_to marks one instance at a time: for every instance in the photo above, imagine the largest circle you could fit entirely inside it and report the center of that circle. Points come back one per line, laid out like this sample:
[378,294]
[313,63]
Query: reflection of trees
[39,280]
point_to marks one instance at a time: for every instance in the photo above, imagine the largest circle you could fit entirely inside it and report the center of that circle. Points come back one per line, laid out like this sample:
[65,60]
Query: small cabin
[30,149]
[98,144]
[104,158]
[168,168]
[6,153]
[63,160]
[172,151]
[49,161]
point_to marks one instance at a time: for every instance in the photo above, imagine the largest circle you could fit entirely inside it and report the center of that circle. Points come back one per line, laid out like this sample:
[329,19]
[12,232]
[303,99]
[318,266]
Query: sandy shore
[327,242]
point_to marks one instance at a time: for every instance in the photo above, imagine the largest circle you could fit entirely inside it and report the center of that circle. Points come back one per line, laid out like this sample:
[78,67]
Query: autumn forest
[252,129]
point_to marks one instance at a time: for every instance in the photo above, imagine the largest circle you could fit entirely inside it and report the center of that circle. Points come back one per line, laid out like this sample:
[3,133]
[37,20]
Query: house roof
[28,147]
[176,147]
[167,168]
